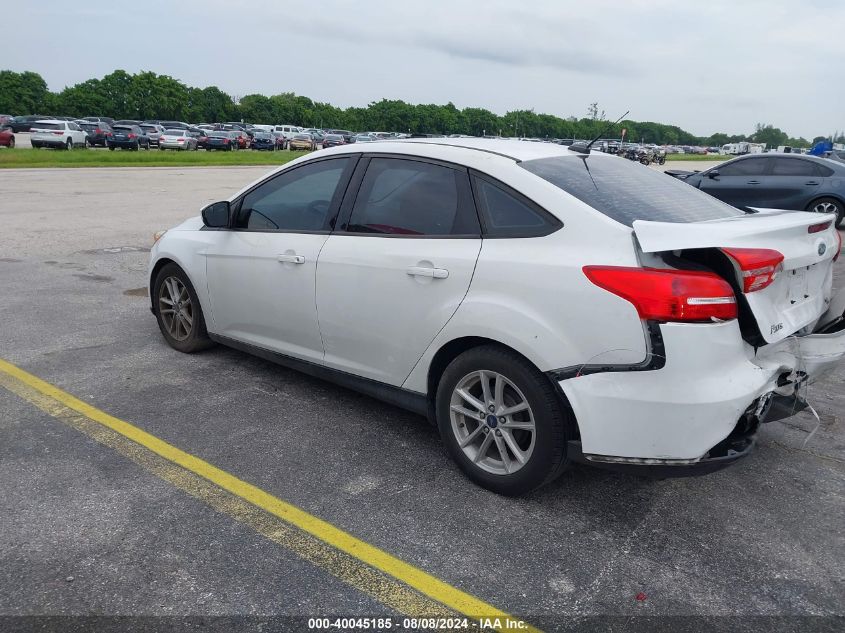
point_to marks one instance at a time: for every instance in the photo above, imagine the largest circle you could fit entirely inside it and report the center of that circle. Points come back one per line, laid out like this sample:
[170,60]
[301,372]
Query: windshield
[627,191]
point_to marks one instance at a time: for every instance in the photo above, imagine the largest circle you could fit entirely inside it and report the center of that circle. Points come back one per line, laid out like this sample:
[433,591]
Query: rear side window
[626,191]
[508,214]
[407,197]
[794,167]
[744,167]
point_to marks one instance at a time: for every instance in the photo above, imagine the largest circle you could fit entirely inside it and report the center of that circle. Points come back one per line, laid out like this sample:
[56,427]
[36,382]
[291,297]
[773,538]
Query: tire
[172,284]
[829,205]
[69,144]
[137,146]
[645,161]
[543,449]
[86,144]
[111,148]
[12,142]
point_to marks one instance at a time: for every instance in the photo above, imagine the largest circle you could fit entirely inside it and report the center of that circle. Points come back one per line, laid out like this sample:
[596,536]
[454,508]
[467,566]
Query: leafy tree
[22,93]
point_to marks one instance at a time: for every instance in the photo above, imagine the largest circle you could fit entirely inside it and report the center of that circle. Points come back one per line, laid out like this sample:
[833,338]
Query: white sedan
[542,305]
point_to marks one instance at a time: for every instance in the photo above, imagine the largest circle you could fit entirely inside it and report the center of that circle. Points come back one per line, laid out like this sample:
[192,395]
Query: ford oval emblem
[822,248]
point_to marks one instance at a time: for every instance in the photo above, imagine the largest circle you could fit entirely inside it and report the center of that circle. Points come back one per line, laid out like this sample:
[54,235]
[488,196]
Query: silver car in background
[177,139]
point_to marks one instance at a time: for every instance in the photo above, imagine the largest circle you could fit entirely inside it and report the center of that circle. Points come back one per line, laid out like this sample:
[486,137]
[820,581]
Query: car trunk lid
[801,291]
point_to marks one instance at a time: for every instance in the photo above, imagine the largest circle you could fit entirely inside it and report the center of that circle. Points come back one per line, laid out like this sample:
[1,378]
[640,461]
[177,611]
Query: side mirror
[713,173]
[216,215]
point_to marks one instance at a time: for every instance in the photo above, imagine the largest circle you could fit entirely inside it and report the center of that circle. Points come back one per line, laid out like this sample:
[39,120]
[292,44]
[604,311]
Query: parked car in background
[302,141]
[244,139]
[153,131]
[346,134]
[288,130]
[776,181]
[7,137]
[659,345]
[177,139]
[201,134]
[281,140]
[129,137]
[174,125]
[264,140]
[98,132]
[363,138]
[222,139]
[58,134]
[5,119]
[333,140]
[99,119]
[24,123]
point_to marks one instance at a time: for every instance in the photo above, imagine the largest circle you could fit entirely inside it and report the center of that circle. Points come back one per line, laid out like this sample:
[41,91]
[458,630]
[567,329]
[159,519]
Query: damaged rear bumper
[701,410]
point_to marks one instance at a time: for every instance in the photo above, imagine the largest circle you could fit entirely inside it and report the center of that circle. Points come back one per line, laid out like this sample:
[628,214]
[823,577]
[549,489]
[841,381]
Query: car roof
[512,149]
[51,121]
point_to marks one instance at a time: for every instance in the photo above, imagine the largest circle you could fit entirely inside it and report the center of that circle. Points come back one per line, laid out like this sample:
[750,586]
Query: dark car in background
[263,140]
[128,137]
[348,136]
[154,131]
[201,134]
[226,140]
[332,140]
[24,123]
[98,119]
[776,181]
[98,132]
[281,139]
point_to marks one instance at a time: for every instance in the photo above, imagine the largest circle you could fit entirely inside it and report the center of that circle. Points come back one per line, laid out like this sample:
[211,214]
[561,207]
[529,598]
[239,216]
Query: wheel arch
[450,350]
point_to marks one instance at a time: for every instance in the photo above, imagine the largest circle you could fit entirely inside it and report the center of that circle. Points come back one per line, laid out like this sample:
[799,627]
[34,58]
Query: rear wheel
[111,148]
[502,421]
[12,142]
[828,205]
[178,311]
[69,144]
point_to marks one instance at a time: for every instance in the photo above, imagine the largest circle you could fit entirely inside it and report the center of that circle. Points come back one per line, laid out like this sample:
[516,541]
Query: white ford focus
[542,305]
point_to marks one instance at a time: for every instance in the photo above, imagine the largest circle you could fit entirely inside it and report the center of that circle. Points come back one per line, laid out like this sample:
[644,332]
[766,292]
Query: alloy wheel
[826,207]
[492,422]
[176,308]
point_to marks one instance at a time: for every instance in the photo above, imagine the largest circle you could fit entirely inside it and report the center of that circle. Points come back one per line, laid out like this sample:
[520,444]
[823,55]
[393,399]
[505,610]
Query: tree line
[146,95]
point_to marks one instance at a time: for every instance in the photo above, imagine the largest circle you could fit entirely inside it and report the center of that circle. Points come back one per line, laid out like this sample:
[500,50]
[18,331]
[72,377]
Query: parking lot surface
[86,528]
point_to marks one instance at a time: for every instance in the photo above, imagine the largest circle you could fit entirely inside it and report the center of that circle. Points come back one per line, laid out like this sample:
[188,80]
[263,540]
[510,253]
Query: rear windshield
[149,128]
[627,191]
[173,132]
[48,126]
[219,134]
[124,128]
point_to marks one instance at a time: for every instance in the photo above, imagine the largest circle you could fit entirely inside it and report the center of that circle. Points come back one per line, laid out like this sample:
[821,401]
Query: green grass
[679,157]
[32,158]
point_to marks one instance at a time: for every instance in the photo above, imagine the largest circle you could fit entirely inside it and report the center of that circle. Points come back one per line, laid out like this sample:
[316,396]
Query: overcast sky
[716,65]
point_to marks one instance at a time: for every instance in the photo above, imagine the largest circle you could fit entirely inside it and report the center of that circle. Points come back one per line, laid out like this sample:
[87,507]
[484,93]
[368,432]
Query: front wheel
[12,143]
[502,421]
[178,312]
[829,205]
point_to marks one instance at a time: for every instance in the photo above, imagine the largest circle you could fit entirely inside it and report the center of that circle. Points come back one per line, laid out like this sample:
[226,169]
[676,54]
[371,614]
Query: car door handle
[811,182]
[436,273]
[292,259]
[753,182]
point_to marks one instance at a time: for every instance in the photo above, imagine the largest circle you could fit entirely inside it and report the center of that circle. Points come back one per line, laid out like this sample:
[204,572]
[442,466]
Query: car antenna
[584,148]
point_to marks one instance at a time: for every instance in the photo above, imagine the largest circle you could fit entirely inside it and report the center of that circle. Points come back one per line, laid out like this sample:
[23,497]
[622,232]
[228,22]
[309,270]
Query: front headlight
[158,235]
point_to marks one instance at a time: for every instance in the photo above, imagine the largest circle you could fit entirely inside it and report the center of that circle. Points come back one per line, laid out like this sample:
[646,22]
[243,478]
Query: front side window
[744,167]
[408,197]
[295,200]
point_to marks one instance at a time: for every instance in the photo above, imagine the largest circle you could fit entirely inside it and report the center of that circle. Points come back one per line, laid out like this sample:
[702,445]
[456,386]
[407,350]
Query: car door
[261,271]
[795,181]
[741,182]
[398,267]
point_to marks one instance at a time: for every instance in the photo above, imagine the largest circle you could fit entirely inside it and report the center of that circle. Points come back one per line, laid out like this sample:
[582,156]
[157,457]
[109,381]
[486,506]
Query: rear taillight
[98,131]
[130,135]
[58,133]
[838,246]
[668,295]
[818,228]
[181,140]
[758,267]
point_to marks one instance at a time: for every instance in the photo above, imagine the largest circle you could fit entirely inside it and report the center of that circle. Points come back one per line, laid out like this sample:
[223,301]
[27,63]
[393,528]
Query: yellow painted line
[345,553]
